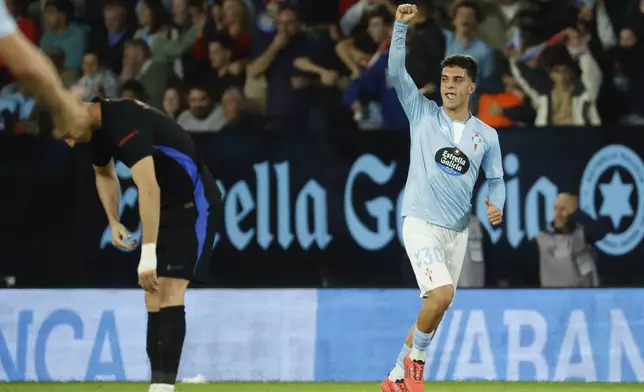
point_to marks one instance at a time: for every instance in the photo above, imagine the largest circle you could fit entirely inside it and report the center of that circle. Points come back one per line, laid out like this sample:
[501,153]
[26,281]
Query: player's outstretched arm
[408,94]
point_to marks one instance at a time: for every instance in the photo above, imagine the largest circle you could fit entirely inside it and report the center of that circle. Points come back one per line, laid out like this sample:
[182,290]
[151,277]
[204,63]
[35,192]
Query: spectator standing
[467,16]
[154,76]
[108,39]
[567,257]
[628,63]
[374,82]
[287,91]
[222,73]
[166,42]
[565,99]
[62,33]
[203,114]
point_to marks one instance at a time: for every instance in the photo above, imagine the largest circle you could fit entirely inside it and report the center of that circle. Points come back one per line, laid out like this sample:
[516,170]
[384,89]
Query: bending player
[448,146]
[178,199]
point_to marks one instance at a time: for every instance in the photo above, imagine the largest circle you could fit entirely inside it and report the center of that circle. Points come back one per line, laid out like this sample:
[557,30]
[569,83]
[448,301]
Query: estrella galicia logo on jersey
[614,181]
[452,161]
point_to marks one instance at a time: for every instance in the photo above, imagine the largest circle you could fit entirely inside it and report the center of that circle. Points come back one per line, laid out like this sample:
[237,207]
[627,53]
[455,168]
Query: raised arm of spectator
[518,73]
[261,64]
[352,18]
[591,74]
[344,49]
[168,49]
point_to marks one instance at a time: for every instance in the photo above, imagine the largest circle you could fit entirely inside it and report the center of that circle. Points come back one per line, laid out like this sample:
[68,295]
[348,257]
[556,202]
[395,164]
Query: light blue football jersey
[442,170]
[7,24]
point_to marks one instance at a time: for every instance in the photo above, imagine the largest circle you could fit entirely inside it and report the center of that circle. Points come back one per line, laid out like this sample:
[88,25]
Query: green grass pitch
[325,387]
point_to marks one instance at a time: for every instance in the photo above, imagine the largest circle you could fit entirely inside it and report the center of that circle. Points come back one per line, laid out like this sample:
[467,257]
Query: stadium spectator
[508,107]
[108,39]
[167,43]
[467,16]
[373,82]
[97,79]
[222,73]
[154,76]
[239,117]
[173,102]
[567,257]
[628,62]
[357,52]
[62,33]
[565,99]
[132,89]
[288,98]
[203,114]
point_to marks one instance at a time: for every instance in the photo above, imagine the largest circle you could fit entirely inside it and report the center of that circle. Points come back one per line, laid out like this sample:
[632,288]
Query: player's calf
[153,304]
[435,303]
[172,329]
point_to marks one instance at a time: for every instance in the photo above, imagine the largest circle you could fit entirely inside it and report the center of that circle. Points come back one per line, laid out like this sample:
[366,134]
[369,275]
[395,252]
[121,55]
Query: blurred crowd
[289,65]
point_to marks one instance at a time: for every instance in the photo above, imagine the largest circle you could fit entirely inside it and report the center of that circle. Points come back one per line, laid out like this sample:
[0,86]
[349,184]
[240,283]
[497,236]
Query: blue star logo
[616,195]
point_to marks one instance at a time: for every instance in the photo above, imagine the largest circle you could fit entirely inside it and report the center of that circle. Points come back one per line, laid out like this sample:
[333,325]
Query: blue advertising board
[327,335]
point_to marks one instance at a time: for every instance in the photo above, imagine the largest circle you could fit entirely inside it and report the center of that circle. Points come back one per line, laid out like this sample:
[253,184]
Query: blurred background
[290,106]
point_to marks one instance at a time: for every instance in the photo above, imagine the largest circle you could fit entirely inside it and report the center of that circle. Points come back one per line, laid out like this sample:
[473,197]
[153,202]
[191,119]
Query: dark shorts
[185,243]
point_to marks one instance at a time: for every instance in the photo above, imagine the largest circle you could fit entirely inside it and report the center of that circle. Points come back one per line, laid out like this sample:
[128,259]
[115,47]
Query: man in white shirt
[203,115]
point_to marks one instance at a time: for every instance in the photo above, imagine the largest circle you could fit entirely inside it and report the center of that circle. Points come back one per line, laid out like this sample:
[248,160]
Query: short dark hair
[136,88]
[463,61]
[202,88]
[470,4]
[383,13]
[141,44]
[225,40]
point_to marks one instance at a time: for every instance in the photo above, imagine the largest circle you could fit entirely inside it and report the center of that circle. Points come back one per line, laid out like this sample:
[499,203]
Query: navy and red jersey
[131,131]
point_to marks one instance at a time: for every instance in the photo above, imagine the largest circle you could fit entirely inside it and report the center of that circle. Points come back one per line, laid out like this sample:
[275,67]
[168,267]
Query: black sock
[152,346]
[172,332]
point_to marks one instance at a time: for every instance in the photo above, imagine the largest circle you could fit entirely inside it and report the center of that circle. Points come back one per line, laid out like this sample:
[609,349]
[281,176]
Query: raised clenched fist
[406,13]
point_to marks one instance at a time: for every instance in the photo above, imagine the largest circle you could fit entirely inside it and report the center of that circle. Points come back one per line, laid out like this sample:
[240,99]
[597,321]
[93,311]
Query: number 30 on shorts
[428,255]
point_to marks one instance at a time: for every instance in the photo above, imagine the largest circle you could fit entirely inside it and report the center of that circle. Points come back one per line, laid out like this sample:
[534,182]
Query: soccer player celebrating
[178,198]
[448,146]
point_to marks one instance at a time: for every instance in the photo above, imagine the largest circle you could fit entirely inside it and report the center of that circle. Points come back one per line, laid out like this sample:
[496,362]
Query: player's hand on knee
[147,268]
[148,281]
[121,237]
[493,213]
[406,13]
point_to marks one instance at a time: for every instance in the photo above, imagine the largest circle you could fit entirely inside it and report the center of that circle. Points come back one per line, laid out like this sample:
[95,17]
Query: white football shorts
[436,253]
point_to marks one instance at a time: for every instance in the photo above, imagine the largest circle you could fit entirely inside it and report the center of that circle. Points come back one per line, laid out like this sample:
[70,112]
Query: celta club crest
[476,139]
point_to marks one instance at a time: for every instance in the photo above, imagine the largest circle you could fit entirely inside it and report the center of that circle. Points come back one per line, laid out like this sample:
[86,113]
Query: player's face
[456,87]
